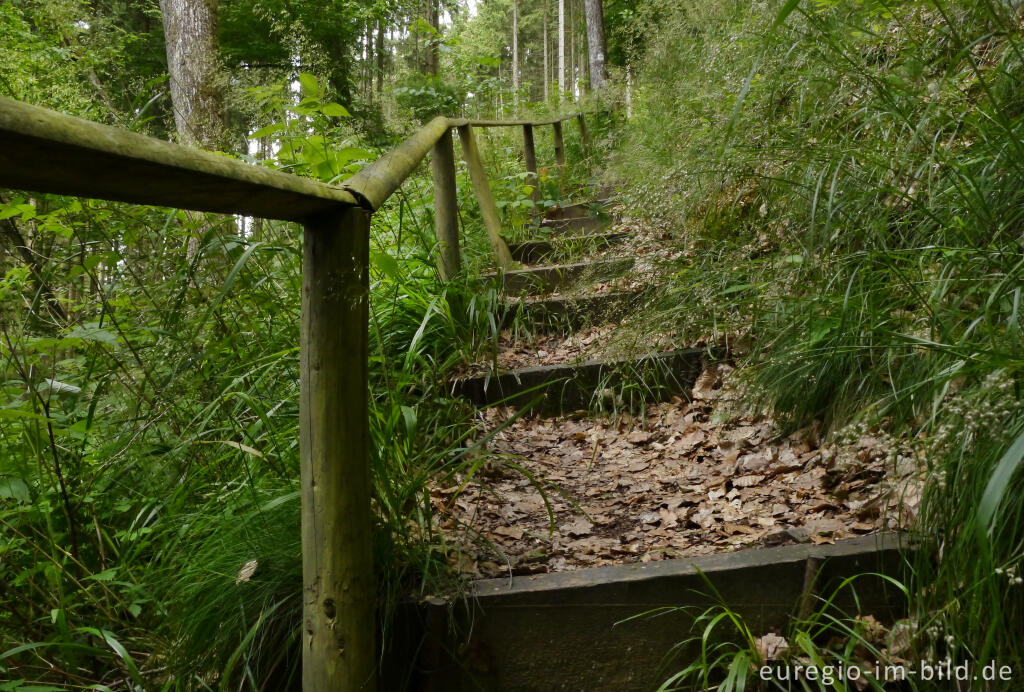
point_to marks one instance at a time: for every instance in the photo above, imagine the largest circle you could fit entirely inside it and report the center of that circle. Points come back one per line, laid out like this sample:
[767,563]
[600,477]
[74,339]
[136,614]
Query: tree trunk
[190,36]
[571,28]
[629,91]
[368,62]
[433,57]
[595,40]
[515,53]
[561,49]
[547,71]
[380,57]
[193,62]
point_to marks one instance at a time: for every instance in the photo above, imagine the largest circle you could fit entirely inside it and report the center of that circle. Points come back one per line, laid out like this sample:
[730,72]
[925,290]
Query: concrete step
[580,631]
[618,382]
[532,251]
[539,280]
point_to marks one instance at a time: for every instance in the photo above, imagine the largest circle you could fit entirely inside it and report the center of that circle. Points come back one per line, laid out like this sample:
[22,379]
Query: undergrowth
[846,179]
[149,504]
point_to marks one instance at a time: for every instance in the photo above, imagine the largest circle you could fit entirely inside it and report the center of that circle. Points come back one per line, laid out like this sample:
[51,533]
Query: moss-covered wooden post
[339,641]
[584,134]
[530,156]
[446,206]
[559,150]
[488,209]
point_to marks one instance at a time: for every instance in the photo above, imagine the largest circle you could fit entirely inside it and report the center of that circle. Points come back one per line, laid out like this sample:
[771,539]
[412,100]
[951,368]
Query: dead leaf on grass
[772,647]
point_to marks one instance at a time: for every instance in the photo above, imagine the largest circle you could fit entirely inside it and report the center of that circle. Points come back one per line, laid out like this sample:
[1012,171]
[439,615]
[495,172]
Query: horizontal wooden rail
[378,181]
[513,123]
[45,151]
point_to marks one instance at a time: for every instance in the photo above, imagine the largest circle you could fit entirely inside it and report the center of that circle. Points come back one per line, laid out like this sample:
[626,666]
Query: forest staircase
[584,629]
[537,632]
[556,298]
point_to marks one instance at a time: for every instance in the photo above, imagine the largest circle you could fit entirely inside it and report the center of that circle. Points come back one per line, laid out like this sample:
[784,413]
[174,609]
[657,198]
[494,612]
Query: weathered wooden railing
[45,151]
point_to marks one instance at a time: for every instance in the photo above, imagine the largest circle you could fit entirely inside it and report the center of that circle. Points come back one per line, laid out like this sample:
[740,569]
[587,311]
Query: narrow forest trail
[608,443]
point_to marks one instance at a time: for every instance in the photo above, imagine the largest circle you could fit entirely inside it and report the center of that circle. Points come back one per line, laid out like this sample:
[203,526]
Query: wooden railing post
[559,150]
[446,206]
[488,209]
[338,597]
[530,155]
[584,135]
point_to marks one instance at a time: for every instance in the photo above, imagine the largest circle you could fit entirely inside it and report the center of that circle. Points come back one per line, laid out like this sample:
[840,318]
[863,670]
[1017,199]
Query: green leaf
[409,416]
[267,131]
[335,110]
[88,333]
[14,488]
[386,264]
[309,84]
[998,484]
[118,649]
[786,9]
[20,414]
[105,575]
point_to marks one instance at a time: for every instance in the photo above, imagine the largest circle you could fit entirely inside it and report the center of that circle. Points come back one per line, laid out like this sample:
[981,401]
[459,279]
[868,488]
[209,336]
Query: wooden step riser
[567,314]
[589,225]
[576,211]
[540,280]
[533,251]
[573,630]
[551,389]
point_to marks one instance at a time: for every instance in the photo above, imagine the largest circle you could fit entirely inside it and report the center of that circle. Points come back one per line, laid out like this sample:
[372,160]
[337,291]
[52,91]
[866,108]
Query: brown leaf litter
[682,480]
[554,349]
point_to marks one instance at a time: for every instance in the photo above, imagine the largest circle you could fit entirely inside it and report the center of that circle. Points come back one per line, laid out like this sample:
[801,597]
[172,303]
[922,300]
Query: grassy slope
[849,187]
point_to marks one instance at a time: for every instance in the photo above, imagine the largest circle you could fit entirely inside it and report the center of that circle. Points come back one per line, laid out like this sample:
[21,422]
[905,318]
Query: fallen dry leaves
[686,478]
[682,480]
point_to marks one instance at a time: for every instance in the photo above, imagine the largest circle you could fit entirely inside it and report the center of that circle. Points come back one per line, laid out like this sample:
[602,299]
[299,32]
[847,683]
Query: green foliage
[306,134]
[427,96]
[723,653]
[849,176]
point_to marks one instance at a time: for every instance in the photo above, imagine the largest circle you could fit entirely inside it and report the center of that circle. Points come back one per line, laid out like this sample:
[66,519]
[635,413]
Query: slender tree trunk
[433,57]
[515,53]
[380,57]
[368,63]
[547,71]
[572,49]
[582,73]
[561,49]
[629,91]
[190,36]
[596,43]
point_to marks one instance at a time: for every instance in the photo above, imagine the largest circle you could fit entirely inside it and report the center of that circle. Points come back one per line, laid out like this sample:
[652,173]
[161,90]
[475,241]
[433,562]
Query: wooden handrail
[512,123]
[378,181]
[45,151]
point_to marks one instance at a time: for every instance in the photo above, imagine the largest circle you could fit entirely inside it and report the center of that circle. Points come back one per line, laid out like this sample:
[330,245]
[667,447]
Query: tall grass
[850,183]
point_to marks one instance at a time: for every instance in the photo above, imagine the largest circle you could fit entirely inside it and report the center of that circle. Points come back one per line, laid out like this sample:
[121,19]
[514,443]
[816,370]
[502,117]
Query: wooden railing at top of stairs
[45,151]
